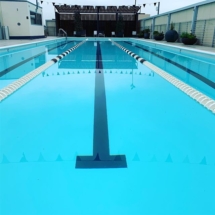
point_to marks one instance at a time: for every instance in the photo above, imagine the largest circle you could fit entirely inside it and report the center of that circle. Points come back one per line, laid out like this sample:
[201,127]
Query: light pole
[158,8]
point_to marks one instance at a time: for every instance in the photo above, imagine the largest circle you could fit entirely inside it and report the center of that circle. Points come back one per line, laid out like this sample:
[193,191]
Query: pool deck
[5,43]
[211,50]
[181,46]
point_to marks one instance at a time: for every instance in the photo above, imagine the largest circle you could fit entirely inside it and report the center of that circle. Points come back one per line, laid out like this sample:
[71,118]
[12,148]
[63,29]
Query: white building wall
[161,20]
[148,23]
[206,12]
[205,25]
[143,16]
[1,36]
[0,13]
[16,15]
[182,16]
[35,30]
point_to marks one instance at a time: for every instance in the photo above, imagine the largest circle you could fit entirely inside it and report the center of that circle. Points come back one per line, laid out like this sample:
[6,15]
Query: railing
[204,30]
[61,29]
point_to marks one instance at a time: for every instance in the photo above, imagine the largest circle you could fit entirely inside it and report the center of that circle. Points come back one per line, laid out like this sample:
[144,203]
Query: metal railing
[64,32]
[204,30]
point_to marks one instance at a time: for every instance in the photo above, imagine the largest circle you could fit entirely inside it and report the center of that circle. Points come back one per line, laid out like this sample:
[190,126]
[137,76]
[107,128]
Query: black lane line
[5,71]
[191,72]
[101,157]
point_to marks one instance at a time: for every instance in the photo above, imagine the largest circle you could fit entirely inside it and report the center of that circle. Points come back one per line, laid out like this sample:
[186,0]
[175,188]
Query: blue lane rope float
[201,98]
[11,88]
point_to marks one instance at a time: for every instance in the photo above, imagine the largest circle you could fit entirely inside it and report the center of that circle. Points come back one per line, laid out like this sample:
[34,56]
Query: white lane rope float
[201,98]
[11,88]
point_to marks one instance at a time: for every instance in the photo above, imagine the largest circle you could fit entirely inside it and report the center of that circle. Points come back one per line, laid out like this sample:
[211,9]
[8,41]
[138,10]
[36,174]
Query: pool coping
[17,47]
[180,48]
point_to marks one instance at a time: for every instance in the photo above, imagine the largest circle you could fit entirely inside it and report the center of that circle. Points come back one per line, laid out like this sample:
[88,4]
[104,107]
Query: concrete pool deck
[5,43]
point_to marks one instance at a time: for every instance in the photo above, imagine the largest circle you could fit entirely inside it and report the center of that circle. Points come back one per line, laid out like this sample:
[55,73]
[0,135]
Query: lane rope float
[14,86]
[201,98]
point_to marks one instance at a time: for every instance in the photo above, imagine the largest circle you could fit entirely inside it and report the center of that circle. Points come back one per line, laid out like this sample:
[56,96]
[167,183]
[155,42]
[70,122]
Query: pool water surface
[100,133]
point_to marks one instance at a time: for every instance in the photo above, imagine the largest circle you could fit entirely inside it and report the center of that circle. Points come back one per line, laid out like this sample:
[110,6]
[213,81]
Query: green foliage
[157,33]
[141,34]
[172,26]
[77,21]
[188,35]
[147,31]
[120,24]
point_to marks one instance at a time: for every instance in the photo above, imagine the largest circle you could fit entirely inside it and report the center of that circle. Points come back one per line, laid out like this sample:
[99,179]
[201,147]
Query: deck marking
[203,162]
[101,157]
[201,98]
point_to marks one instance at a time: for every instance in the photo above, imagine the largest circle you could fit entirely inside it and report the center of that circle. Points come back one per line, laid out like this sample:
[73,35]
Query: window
[36,18]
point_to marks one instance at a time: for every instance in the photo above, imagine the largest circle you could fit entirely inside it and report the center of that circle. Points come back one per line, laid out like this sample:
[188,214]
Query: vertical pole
[213,41]
[158,8]
[135,17]
[153,27]
[193,24]
[168,21]
[97,21]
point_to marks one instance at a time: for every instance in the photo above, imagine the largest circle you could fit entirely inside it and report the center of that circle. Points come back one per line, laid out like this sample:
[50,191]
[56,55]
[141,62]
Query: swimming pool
[98,132]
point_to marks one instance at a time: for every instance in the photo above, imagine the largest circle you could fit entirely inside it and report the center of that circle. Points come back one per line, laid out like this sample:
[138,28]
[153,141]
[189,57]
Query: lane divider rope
[14,86]
[201,98]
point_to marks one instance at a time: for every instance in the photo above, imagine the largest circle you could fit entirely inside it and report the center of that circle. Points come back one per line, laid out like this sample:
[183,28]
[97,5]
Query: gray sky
[165,5]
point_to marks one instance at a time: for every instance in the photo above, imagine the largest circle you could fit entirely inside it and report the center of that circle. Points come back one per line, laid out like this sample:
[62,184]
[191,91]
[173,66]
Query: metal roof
[93,9]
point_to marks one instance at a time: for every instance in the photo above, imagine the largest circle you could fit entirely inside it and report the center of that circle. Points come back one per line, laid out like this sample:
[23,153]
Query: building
[98,18]
[23,18]
[197,18]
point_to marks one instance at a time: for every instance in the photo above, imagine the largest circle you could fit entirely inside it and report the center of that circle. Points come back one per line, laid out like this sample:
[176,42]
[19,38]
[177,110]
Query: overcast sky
[165,5]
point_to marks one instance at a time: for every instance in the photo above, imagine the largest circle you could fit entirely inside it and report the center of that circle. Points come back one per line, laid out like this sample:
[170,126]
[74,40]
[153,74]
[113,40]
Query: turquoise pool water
[99,104]
[15,64]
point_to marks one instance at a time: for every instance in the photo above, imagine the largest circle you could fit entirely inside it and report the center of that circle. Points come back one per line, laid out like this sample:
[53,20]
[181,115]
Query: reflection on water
[17,64]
